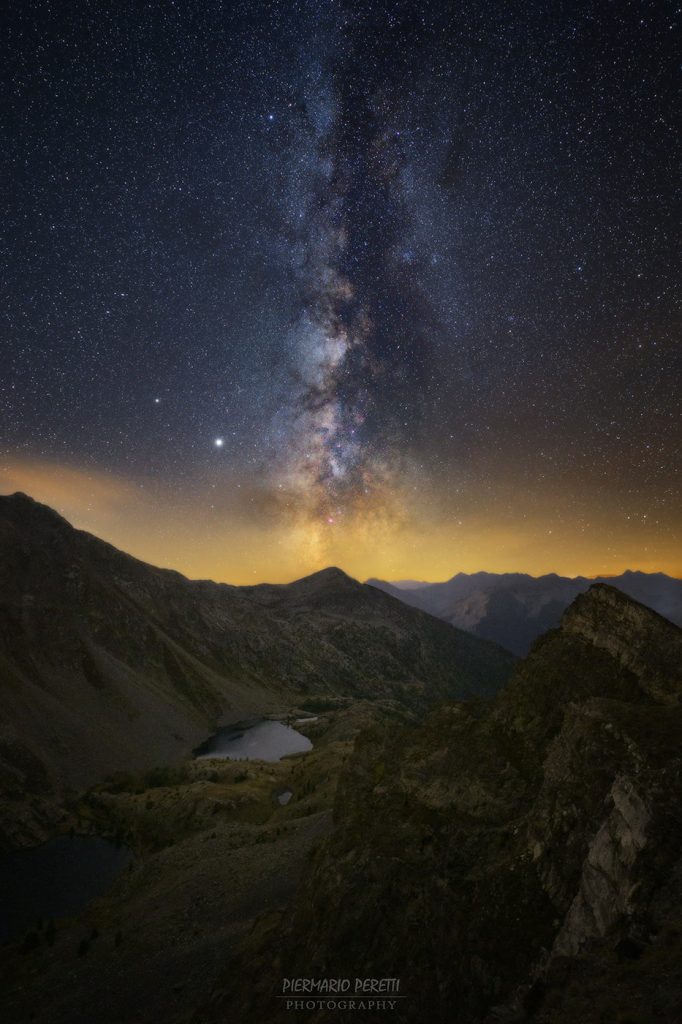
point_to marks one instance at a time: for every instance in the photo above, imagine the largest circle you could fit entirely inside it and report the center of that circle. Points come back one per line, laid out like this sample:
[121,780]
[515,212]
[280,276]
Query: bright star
[218,442]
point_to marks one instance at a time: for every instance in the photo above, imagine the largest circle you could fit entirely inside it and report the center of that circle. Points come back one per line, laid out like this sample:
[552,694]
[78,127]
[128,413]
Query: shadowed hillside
[109,664]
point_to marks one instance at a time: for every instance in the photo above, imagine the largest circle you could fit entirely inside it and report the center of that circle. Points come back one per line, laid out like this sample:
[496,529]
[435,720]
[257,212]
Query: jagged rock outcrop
[641,641]
[505,860]
[608,884]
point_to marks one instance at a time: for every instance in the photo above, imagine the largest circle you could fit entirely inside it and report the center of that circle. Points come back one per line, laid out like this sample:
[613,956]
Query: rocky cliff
[519,860]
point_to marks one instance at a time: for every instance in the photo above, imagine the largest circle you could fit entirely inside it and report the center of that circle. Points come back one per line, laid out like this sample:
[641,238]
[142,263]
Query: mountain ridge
[95,643]
[513,609]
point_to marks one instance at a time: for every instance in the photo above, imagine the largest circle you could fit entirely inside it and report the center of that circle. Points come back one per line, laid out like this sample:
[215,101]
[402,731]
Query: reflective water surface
[257,741]
[55,880]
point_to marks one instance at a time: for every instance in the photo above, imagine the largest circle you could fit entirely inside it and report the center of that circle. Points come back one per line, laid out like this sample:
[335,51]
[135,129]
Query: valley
[111,665]
[405,800]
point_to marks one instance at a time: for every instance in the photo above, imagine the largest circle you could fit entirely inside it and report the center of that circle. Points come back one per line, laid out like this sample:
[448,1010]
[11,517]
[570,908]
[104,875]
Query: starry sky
[388,285]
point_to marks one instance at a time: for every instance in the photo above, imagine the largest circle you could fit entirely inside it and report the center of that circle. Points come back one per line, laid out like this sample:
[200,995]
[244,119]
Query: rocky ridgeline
[511,862]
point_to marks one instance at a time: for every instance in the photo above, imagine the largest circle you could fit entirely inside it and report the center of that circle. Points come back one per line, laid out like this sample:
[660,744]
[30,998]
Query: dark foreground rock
[510,862]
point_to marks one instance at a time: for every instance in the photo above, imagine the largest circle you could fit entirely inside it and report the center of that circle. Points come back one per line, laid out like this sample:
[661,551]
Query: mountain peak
[608,619]
[21,505]
[20,498]
[331,576]
[600,597]
[330,572]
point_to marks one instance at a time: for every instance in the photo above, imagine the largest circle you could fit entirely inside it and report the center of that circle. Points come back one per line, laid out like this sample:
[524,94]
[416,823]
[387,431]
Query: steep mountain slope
[518,860]
[513,609]
[107,663]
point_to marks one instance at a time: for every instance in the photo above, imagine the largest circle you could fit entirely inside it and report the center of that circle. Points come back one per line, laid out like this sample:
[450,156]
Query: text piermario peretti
[338,986]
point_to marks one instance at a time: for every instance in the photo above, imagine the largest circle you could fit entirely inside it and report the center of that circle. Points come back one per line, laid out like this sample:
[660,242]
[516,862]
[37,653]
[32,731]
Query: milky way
[413,265]
[363,331]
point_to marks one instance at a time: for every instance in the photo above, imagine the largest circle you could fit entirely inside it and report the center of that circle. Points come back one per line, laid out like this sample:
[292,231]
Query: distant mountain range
[109,664]
[513,609]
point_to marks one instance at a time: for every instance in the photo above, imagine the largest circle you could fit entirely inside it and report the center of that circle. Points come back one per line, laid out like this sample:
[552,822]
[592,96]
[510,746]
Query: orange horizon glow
[241,535]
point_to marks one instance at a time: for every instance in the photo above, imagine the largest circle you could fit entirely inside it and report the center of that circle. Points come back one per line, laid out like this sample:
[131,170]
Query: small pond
[55,880]
[255,741]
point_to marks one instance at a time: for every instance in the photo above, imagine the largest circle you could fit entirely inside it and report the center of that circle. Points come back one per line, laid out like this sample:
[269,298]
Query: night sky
[392,286]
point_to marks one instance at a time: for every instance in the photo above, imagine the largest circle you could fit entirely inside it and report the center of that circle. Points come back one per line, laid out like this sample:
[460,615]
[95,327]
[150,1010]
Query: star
[412,298]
